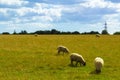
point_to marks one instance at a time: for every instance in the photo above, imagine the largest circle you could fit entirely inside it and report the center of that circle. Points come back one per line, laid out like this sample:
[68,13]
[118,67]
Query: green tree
[14,32]
[6,33]
[54,31]
[117,33]
[104,32]
[23,32]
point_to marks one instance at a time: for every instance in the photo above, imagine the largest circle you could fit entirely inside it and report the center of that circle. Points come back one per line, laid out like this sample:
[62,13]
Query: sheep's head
[84,64]
[67,52]
[98,71]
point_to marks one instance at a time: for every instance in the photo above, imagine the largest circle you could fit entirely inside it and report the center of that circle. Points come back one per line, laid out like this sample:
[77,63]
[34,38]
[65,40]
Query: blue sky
[63,15]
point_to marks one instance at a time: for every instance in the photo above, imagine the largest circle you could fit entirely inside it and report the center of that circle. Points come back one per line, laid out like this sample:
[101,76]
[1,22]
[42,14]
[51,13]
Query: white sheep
[77,58]
[99,63]
[62,49]
[97,35]
[35,35]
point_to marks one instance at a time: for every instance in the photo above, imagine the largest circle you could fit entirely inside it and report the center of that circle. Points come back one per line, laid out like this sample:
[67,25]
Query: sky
[63,15]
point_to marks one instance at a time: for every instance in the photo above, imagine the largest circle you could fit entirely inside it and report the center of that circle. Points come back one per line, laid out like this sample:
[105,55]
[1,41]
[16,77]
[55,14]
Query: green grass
[26,57]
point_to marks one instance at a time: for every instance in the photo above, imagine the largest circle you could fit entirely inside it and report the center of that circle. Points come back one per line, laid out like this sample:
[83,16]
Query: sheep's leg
[76,63]
[71,62]
[58,51]
[80,64]
[63,52]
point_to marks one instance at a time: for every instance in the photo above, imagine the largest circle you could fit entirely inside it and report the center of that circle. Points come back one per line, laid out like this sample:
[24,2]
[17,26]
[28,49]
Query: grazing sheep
[77,58]
[97,35]
[35,35]
[62,49]
[98,64]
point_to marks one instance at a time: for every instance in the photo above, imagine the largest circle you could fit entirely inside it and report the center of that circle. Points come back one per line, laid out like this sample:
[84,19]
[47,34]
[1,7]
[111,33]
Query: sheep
[77,58]
[62,49]
[99,63]
[97,35]
[35,35]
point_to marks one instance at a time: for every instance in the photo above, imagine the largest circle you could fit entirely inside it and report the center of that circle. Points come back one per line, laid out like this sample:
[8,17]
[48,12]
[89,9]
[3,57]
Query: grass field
[26,57]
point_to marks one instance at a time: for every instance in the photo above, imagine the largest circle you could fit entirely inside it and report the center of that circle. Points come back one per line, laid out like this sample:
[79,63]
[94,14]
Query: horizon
[48,33]
[62,15]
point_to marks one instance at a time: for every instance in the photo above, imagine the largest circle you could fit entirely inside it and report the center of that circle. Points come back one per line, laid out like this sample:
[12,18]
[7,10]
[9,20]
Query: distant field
[26,57]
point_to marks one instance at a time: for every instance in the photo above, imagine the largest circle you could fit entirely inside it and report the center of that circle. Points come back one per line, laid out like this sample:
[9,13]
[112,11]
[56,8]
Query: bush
[6,33]
[117,33]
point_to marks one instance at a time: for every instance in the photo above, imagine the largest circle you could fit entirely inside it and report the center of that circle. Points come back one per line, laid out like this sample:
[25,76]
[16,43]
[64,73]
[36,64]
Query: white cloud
[42,18]
[24,10]
[94,3]
[30,27]
[43,15]
[113,5]
[48,9]
[13,2]
[41,11]
[5,22]
[111,17]
[3,11]
[113,22]
[113,26]
[100,4]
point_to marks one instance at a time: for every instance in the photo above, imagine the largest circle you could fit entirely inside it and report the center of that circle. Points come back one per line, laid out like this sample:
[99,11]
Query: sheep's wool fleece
[62,47]
[98,63]
[76,56]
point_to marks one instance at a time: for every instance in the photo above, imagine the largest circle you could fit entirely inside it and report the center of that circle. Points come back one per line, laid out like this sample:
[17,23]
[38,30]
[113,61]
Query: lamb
[77,58]
[99,63]
[62,49]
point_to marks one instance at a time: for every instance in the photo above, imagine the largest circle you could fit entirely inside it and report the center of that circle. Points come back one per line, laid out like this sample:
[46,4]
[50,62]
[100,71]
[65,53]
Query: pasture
[26,57]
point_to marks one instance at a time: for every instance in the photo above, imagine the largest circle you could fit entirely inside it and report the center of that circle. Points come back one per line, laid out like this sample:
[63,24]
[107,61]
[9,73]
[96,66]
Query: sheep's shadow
[71,65]
[61,54]
[94,72]
[56,54]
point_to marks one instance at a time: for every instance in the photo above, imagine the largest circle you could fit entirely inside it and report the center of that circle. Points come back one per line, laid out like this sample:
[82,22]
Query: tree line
[54,31]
